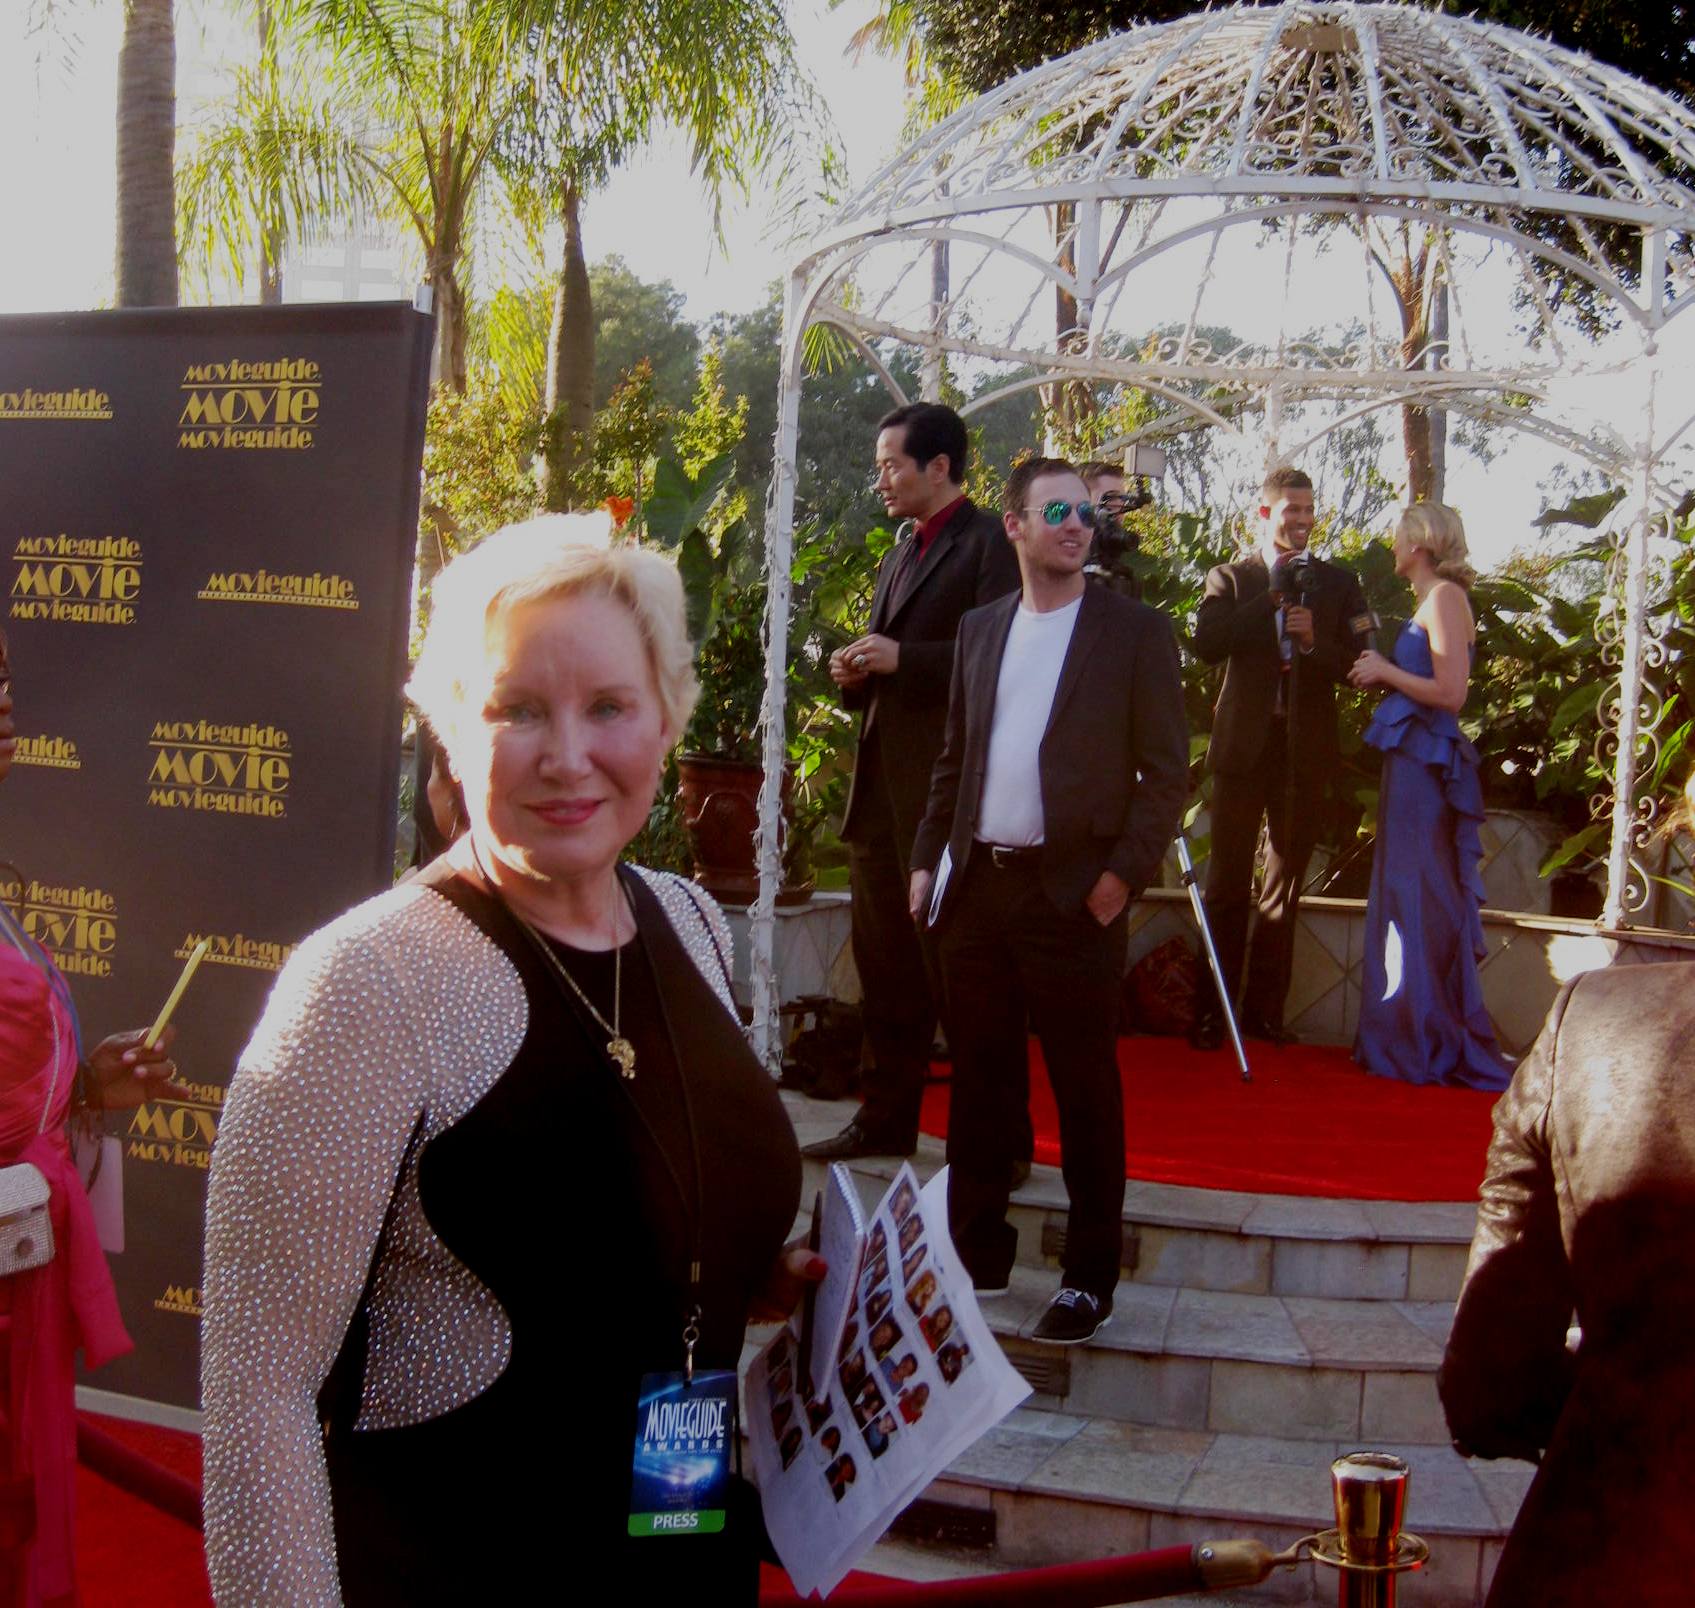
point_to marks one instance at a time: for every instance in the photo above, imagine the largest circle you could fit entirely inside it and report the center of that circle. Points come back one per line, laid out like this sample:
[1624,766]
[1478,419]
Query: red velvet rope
[140,1476]
[1137,1578]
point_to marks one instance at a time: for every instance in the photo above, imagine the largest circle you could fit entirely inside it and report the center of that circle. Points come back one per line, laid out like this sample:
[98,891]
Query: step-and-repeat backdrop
[207,520]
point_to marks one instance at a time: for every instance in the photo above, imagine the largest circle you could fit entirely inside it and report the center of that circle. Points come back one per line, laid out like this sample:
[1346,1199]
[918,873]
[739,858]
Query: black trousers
[1240,799]
[898,979]
[1012,963]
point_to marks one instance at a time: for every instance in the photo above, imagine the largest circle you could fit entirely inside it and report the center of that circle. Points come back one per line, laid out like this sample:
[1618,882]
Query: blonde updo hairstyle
[554,556]
[1440,531]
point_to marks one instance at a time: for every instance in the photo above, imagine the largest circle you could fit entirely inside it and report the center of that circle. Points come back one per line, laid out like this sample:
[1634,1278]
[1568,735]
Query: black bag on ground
[823,1060]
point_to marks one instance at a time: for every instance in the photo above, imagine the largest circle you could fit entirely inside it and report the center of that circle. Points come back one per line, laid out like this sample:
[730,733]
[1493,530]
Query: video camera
[1115,544]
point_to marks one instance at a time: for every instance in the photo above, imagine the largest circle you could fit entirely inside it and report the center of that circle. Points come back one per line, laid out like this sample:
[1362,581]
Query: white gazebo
[1491,214]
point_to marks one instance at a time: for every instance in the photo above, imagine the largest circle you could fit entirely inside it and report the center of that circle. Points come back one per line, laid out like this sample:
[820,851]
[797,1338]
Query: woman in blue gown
[1422,1017]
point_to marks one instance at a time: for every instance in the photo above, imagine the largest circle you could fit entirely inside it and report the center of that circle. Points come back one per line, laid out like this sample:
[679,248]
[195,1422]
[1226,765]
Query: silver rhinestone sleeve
[695,917]
[399,1010]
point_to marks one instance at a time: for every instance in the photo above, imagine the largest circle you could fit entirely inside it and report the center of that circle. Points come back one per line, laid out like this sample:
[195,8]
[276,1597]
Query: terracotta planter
[720,800]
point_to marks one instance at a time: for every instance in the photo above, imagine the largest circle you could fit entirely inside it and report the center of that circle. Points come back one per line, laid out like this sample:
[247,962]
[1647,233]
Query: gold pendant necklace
[620,1051]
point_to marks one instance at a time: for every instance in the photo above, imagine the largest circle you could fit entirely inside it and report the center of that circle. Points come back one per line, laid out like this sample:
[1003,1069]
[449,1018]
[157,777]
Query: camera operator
[1114,543]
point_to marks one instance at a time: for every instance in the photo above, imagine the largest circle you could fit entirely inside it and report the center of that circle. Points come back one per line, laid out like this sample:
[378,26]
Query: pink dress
[49,1312]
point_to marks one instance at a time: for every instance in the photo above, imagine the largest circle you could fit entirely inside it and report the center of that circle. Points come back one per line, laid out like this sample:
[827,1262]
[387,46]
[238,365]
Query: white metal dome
[1472,206]
[1388,101]
[1076,178]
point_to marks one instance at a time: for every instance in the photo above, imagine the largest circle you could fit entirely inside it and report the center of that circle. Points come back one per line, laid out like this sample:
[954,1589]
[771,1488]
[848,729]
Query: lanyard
[690,1202]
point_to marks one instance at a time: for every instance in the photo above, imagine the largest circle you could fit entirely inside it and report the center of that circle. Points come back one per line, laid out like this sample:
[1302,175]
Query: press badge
[680,1483]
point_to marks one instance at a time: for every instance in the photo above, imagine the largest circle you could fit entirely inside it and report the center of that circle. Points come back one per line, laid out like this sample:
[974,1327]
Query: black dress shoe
[1208,1032]
[1256,1027]
[858,1140]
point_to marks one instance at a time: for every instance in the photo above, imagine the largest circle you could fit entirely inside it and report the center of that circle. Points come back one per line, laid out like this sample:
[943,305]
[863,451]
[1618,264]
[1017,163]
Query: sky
[56,195]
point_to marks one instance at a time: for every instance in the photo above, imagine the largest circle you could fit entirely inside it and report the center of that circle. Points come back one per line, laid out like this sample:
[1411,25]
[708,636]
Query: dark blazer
[970,562]
[1588,1206]
[1237,625]
[1114,760]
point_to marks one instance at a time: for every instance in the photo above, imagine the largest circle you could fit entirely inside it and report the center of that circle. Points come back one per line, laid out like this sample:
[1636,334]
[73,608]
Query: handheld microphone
[1303,577]
[1364,629]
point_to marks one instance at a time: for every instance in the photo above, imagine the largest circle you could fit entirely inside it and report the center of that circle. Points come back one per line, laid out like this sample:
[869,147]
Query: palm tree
[147,119]
[386,107]
[721,71]
[408,107]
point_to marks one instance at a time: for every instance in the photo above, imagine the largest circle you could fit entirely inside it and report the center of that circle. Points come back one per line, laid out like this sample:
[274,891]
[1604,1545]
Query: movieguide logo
[59,753]
[76,580]
[229,770]
[260,954]
[77,926]
[261,586]
[250,406]
[82,402]
[180,1298]
[178,1132]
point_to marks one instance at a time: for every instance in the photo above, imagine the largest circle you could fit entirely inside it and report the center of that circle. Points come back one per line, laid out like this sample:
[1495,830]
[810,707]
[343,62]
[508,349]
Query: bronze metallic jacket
[1588,1208]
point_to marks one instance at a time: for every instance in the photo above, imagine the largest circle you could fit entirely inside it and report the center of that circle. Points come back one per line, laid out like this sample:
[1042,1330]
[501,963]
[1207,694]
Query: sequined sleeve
[699,922]
[314,1131]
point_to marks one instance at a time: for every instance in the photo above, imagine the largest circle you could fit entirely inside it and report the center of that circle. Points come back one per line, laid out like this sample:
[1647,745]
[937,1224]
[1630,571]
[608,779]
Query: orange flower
[620,509]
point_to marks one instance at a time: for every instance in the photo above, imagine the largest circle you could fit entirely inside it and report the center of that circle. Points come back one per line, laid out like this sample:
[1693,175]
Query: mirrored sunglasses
[1054,512]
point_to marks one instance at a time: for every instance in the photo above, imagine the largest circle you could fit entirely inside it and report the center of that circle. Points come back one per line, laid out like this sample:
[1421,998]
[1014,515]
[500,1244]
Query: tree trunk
[1408,276]
[1438,417]
[1415,442]
[271,235]
[568,434]
[1069,403]
[147,131]
[452,365]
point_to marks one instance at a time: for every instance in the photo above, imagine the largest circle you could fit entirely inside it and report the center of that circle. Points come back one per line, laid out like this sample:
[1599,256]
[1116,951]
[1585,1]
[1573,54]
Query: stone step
[1065,1487]
[1296,1367]
[1253,1339]
[1230,1241]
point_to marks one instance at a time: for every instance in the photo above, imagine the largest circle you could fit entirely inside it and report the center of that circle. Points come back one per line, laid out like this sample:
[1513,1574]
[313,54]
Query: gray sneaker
[1072,1317]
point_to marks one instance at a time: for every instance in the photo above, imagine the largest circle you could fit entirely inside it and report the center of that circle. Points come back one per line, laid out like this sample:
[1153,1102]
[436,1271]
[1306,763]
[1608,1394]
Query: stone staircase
[1253,1339]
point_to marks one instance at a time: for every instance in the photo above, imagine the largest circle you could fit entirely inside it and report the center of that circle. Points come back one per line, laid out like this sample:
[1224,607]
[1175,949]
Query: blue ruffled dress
[1422,1017]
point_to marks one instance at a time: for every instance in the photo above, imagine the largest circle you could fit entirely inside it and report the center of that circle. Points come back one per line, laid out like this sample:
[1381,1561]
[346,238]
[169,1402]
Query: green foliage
[638,322]
[478,475]
[713,424]
[629,433]
[725,586]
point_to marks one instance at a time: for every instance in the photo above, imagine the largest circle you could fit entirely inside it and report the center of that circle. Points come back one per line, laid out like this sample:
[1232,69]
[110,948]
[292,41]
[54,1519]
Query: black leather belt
[1003,856]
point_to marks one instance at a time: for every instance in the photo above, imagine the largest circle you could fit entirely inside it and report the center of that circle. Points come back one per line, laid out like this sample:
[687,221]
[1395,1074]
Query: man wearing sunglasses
[1058,790]
[951,557]
[1281,624]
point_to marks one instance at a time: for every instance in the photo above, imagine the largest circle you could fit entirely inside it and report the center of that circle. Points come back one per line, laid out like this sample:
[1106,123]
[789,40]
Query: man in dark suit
[1284,625]
[954,557]
[1058,790]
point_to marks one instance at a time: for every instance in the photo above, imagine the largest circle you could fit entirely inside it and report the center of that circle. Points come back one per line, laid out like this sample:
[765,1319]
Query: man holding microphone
[1281,622]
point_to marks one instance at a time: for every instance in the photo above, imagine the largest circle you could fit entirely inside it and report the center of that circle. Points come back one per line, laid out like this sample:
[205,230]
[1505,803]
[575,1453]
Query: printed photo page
[916,1377]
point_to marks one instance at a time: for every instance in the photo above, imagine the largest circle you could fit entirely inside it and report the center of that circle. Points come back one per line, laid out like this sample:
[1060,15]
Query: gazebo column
[1633,587]
[1633,556]
[1273,428]
[779,551]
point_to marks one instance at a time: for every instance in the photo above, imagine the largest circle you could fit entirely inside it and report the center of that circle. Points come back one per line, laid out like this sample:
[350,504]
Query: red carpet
[1311,1123]
[130,1555]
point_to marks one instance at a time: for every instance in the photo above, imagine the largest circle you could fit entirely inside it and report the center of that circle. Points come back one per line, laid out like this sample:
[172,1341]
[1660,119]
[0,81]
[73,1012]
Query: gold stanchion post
[1368,1547]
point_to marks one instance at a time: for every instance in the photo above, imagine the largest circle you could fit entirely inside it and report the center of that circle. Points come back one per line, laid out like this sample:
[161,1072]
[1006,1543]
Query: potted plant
[719,769]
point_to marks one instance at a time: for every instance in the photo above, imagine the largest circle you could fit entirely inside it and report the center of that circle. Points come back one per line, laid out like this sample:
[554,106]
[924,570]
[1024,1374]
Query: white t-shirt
[1010,811]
